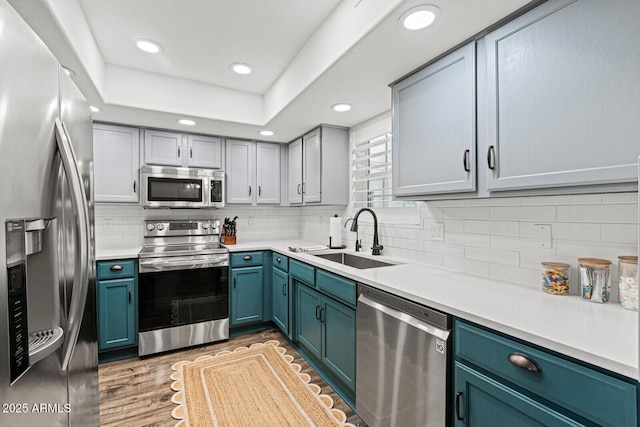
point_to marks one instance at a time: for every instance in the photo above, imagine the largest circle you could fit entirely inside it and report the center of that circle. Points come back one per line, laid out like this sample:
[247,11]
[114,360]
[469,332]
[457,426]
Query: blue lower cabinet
[116,305]
[246,295]
[280,298]
[502,381]
[327,329]
[484,402]
[339,340]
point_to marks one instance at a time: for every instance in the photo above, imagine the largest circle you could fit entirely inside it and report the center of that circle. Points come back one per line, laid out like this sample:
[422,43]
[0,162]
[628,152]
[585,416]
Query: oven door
[174,298]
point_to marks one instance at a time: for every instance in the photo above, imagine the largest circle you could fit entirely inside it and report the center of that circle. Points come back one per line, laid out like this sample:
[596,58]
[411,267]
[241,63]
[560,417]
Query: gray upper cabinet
[116,164]
[563,99]
[253,172]
[434,127]
[319,167]
[177,149]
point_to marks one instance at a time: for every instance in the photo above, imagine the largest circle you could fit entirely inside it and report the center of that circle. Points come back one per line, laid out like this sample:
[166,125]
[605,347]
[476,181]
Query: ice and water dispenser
[31,298]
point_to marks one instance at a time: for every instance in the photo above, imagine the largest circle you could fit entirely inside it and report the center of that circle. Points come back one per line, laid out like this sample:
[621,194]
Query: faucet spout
[377,247]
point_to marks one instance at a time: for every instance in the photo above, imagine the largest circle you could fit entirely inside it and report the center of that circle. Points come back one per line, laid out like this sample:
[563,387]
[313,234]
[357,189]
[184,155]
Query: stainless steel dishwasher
[402,360]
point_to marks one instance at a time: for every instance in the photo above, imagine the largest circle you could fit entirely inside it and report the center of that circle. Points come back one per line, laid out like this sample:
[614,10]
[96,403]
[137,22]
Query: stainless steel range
[183,285]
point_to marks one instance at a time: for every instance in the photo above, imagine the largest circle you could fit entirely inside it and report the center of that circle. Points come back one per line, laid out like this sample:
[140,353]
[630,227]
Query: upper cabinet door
[563,96]
[268,173]
[312,167]
[116,163]
[434,127]
[163,148]
[240,166]
[204,152]
[295,172]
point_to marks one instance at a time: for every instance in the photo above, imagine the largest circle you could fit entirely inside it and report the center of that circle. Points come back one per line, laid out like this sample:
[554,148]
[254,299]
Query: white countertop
[605,335]
[120,253]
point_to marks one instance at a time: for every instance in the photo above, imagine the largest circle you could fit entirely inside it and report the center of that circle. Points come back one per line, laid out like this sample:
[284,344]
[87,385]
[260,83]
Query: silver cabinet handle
[116,268]
[178,151]
[191,153]
[247,258]
[249,190]
[491,158]
[299,185]
[82,267]
[465,161]
[278,259]
[303,189]
[259,190]
[134,186]
[523,361]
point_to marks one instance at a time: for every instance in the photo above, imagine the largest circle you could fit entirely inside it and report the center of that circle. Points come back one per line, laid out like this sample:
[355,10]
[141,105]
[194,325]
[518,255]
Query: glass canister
[595,279]
[555,278]
[628,283]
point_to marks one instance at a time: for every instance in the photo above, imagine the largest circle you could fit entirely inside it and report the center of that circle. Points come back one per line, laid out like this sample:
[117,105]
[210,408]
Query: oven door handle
[168,264]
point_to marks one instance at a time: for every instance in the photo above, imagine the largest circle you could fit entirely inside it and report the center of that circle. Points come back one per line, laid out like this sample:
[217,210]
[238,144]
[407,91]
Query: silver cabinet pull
[259,190]
[249,190]
[303,189]
[278,259]
[191,153]
[134,186]
[116,268]
[178,151]
[247,258]
[465,161]
[491,158]
[299,185]
[523,361]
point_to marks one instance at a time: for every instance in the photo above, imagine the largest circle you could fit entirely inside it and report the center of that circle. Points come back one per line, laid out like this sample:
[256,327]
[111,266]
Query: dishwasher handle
[443,334]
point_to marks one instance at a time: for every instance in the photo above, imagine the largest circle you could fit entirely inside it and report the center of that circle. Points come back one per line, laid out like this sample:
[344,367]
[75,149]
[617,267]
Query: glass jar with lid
[628,282]
[595,279]
[555,278]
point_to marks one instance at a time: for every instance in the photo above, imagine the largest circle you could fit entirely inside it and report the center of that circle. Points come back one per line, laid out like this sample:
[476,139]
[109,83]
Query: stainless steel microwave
[174,187]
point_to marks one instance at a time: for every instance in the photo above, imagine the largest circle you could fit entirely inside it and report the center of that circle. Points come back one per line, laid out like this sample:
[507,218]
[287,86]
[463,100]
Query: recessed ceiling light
[148,46]
[419,17]
[341,108]
[241,68]
[186,122]
[266,132]
[94,109]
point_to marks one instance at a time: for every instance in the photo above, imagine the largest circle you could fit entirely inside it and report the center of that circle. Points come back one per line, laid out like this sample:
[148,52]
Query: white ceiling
[306,55]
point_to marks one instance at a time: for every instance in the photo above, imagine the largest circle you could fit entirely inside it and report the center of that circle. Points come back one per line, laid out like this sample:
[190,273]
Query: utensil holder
[228,240]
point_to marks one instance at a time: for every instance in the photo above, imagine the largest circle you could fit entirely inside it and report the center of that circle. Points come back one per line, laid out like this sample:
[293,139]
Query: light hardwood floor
[136,391]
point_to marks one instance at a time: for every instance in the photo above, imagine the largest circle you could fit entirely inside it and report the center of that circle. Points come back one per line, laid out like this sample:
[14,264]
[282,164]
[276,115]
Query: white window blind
[371,166]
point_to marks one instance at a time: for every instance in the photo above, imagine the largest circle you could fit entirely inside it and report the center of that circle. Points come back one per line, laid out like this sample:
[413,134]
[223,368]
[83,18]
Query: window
[371,161]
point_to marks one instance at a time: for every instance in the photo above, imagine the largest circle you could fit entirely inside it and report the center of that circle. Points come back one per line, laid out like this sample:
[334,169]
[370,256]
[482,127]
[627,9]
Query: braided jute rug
[251,386]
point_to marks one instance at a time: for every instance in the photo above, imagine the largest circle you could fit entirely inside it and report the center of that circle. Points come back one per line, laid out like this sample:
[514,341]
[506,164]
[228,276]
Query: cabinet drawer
[280,261]
[303,272]
[559,381]
[116,269]
[246,259]
[337,286]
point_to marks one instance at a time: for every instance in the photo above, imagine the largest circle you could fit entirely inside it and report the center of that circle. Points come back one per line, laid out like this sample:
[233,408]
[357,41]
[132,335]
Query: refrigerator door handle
[81,273]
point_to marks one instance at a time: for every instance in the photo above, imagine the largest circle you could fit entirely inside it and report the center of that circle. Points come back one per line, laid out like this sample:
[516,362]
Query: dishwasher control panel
[416,310]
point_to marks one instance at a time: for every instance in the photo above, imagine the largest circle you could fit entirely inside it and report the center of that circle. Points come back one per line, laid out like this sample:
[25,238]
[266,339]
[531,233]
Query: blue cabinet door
[481,401]
[280,296]
[116,313]
[246,295]
[339,340]
[309,303]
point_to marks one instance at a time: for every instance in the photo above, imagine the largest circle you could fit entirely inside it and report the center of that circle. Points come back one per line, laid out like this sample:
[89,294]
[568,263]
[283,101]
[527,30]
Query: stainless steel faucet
[377,247]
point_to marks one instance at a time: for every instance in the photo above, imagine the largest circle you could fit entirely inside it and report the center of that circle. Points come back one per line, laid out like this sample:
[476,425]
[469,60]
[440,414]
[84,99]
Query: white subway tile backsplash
[444,249]
[631,198]
[610,213]
[571,231]
[456,225]
[524,213]
[581,199]
[495,256]
[506,228]
[424,257]
[620,233]
[466,213]
[525,276]
[520,244]
[466,239]
[468,265]
[606,250]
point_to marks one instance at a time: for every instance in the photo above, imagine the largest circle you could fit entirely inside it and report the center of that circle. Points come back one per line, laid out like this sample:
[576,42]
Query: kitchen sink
[354,261]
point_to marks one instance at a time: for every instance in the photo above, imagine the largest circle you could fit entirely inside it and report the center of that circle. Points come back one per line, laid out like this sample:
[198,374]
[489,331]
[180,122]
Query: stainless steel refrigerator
[48,350]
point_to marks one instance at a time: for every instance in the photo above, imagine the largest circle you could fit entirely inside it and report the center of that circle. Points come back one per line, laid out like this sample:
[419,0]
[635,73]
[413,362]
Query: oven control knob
[151,227]
[160,226]
[205,225]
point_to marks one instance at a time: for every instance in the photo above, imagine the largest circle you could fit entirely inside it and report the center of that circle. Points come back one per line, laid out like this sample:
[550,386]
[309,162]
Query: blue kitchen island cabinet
[281,291]
[326,329]
[117,304]
[502,381]
[247,288]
